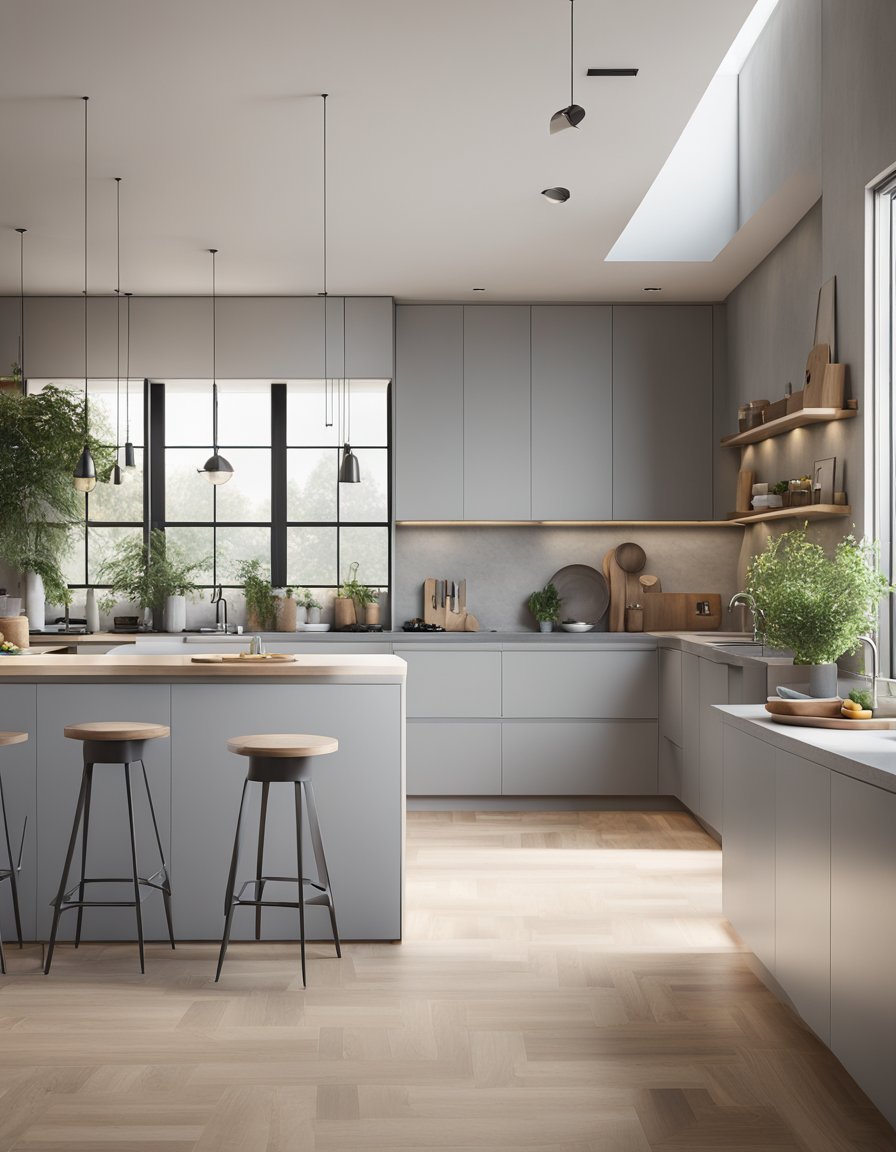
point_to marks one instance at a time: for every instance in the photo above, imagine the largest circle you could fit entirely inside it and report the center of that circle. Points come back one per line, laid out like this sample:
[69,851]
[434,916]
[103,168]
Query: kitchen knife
[463,595]
[454,596]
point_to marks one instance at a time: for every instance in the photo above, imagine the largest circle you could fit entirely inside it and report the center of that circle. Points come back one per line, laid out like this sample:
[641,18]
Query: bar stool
[121,744]
[276,759]
[15,865]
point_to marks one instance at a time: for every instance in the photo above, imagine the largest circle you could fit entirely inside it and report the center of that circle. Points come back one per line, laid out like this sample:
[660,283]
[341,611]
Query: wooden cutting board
[677,612]
[826,708]
[616,581]
[819,358]
[830,722]
[247,658]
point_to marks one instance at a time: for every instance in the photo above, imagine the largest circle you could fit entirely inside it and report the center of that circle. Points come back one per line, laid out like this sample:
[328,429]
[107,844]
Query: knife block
[436,613]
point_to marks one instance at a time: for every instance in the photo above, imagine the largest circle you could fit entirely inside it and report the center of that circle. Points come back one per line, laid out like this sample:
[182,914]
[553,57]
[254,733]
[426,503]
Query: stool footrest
[67,901]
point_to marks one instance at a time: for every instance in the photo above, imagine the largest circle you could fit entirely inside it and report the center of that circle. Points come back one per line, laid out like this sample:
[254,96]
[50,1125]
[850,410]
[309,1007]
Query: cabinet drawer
[453,759]
[615,685]
[462,684]
[600,758]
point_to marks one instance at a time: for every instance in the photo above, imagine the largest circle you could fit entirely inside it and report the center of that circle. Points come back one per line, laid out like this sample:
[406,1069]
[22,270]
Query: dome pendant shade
[349,470]
[570,117]
[217,470]
[84,476]
[130,457]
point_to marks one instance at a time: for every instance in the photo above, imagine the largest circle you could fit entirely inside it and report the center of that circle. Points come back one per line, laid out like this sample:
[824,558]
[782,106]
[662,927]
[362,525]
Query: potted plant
[311,605]
[351,598]
[41,438]
[261,607]
[287,615]
[816,605]
[153,573]
[545,607]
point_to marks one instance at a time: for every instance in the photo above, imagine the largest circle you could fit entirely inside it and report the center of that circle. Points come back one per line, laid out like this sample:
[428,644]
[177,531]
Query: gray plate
[584,593]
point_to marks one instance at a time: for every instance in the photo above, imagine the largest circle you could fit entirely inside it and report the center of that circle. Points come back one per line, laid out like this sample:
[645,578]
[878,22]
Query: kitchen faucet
[220,608]
[758,616]
[875,666]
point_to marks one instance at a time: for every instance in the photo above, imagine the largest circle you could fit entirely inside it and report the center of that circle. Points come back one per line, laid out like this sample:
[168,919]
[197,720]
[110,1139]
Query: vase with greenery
[816,605]
[261,604]
[357,594]
[149,572]
[286,611]
[41,439]
[545,607]
[311,605]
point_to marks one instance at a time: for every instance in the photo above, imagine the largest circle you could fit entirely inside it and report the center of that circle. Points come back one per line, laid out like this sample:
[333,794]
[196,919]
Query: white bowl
[313,627]
[577,626]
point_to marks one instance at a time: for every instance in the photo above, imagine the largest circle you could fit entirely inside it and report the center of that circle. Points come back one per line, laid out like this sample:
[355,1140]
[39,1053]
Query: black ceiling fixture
[84,476]
[117,475]
[21,360]
[556,195]
[573,115]
[217,469]
[612,72]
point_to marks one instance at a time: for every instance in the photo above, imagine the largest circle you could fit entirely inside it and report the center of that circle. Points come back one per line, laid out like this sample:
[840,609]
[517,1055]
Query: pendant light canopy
[84,476]
[217,470]
[349,469]
[20,363]
[116,477]
[130,456]
[573,115]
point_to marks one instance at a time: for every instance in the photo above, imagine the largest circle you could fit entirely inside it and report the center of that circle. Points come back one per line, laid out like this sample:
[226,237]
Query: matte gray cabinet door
[803,887]
[748,862]
[497,413]
[572,412]
[662,412]
[690,731]
[459,684]
[713,690]
[429,412]
[863,936]
[579,758]
[453,759]
[615,685]
[670,694]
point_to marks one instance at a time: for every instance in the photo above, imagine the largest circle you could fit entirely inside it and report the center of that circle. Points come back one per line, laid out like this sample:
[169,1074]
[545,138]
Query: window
[880,458]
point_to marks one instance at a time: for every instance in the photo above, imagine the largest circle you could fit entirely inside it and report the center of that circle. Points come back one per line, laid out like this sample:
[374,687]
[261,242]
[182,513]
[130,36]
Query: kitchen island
[196,784]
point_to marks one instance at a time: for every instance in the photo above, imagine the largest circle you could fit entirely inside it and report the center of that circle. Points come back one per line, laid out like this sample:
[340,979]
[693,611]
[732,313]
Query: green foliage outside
[147,574]
[813,604]
[41,439]
[545,605]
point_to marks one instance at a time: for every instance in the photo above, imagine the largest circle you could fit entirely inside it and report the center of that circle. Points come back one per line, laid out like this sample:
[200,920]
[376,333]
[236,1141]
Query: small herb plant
[259,594]
[545,605]
[863,699]
[780,488]
[813,604]
[305,599]
[353,589]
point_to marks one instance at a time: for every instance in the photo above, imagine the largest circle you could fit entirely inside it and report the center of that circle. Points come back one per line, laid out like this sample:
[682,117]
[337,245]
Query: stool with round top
[15,863]
[280,759]
[121,743]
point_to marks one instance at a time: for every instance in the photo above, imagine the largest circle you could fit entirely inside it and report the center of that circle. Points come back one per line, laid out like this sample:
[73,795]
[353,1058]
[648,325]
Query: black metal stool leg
[320,860]
[298,788]
[229,903]
[88,772]
[166,886]
[2,958]
[14,866]
[63,883]
[138,909]
[259,861]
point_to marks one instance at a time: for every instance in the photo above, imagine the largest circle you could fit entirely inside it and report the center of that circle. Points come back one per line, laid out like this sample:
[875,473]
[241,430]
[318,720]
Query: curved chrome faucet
[875,666]
[758,616]
[220,603]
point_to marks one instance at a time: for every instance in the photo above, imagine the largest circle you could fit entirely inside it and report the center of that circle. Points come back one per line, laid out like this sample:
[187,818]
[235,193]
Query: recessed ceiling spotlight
[556,195]
[612,72]
[651,289]
[478,289]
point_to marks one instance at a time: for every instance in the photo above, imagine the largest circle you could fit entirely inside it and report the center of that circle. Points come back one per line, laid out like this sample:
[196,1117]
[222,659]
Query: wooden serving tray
[245,658]
[830,722]
[829,707]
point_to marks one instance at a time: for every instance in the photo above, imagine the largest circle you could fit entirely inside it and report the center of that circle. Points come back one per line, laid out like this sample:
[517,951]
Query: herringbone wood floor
[567,983]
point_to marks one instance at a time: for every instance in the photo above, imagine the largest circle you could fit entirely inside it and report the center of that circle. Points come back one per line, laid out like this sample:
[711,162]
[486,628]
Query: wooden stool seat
[13,738]
[118,730]
[283,745]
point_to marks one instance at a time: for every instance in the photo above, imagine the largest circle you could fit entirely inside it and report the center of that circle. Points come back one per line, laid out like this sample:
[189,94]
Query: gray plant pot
[545,625]
[823,680]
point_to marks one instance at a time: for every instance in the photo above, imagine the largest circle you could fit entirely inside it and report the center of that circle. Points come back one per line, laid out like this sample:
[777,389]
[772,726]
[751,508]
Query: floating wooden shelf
[800,419]
[807,512]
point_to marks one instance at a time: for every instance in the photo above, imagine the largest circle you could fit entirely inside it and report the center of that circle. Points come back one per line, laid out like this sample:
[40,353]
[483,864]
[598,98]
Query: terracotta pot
[15,630]
[372,614]
[344,612]
[286,614]
[253,624]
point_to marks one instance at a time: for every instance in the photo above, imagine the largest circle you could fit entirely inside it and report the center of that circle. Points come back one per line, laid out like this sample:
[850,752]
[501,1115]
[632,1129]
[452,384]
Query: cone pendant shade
[349,469]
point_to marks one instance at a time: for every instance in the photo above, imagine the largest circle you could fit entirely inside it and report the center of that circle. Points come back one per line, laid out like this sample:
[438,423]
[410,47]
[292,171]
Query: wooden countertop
[49,667]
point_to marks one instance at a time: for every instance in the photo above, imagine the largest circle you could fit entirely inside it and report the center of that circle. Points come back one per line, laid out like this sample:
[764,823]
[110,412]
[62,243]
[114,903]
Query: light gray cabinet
[690,731]
[863,936]
[670,694]
[748,864]
[429,420]
[572,412]
[713,680]
[497,413]
[454,758]
[803,887]
[458,684]
[662,412]
[579,758]
[620,685]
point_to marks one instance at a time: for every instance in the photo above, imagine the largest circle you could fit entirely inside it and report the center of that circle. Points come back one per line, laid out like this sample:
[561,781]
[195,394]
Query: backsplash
[503,564]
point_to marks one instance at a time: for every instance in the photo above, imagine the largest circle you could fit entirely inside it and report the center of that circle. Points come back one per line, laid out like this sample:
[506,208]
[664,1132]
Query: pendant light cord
[127,371]
[572,9]
[329,402]
[85,99]
[214,252]
[21,232]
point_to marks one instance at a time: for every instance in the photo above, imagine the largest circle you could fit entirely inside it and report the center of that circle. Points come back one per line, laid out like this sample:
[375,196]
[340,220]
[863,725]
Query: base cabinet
[453,758]
[579,758]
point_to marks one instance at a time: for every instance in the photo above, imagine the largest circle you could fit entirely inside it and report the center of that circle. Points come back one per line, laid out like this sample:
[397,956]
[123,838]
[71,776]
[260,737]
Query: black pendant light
[21,360]
[217,470]
[573,115]
[84,476]
[130,456]
[116,468]
[556,195]
[349,469]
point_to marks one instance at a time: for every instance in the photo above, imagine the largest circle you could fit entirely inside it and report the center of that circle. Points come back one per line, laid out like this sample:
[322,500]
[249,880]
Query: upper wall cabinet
[662,412]
[497,403]
[572,413]
[429,412]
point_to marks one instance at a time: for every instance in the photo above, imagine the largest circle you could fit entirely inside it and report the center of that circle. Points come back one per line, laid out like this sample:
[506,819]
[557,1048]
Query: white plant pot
[35,603]
[92,612]
[314,615]
[175,613]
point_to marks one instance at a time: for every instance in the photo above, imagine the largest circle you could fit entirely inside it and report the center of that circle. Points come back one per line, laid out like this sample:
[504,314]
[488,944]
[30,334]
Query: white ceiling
[438,144]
